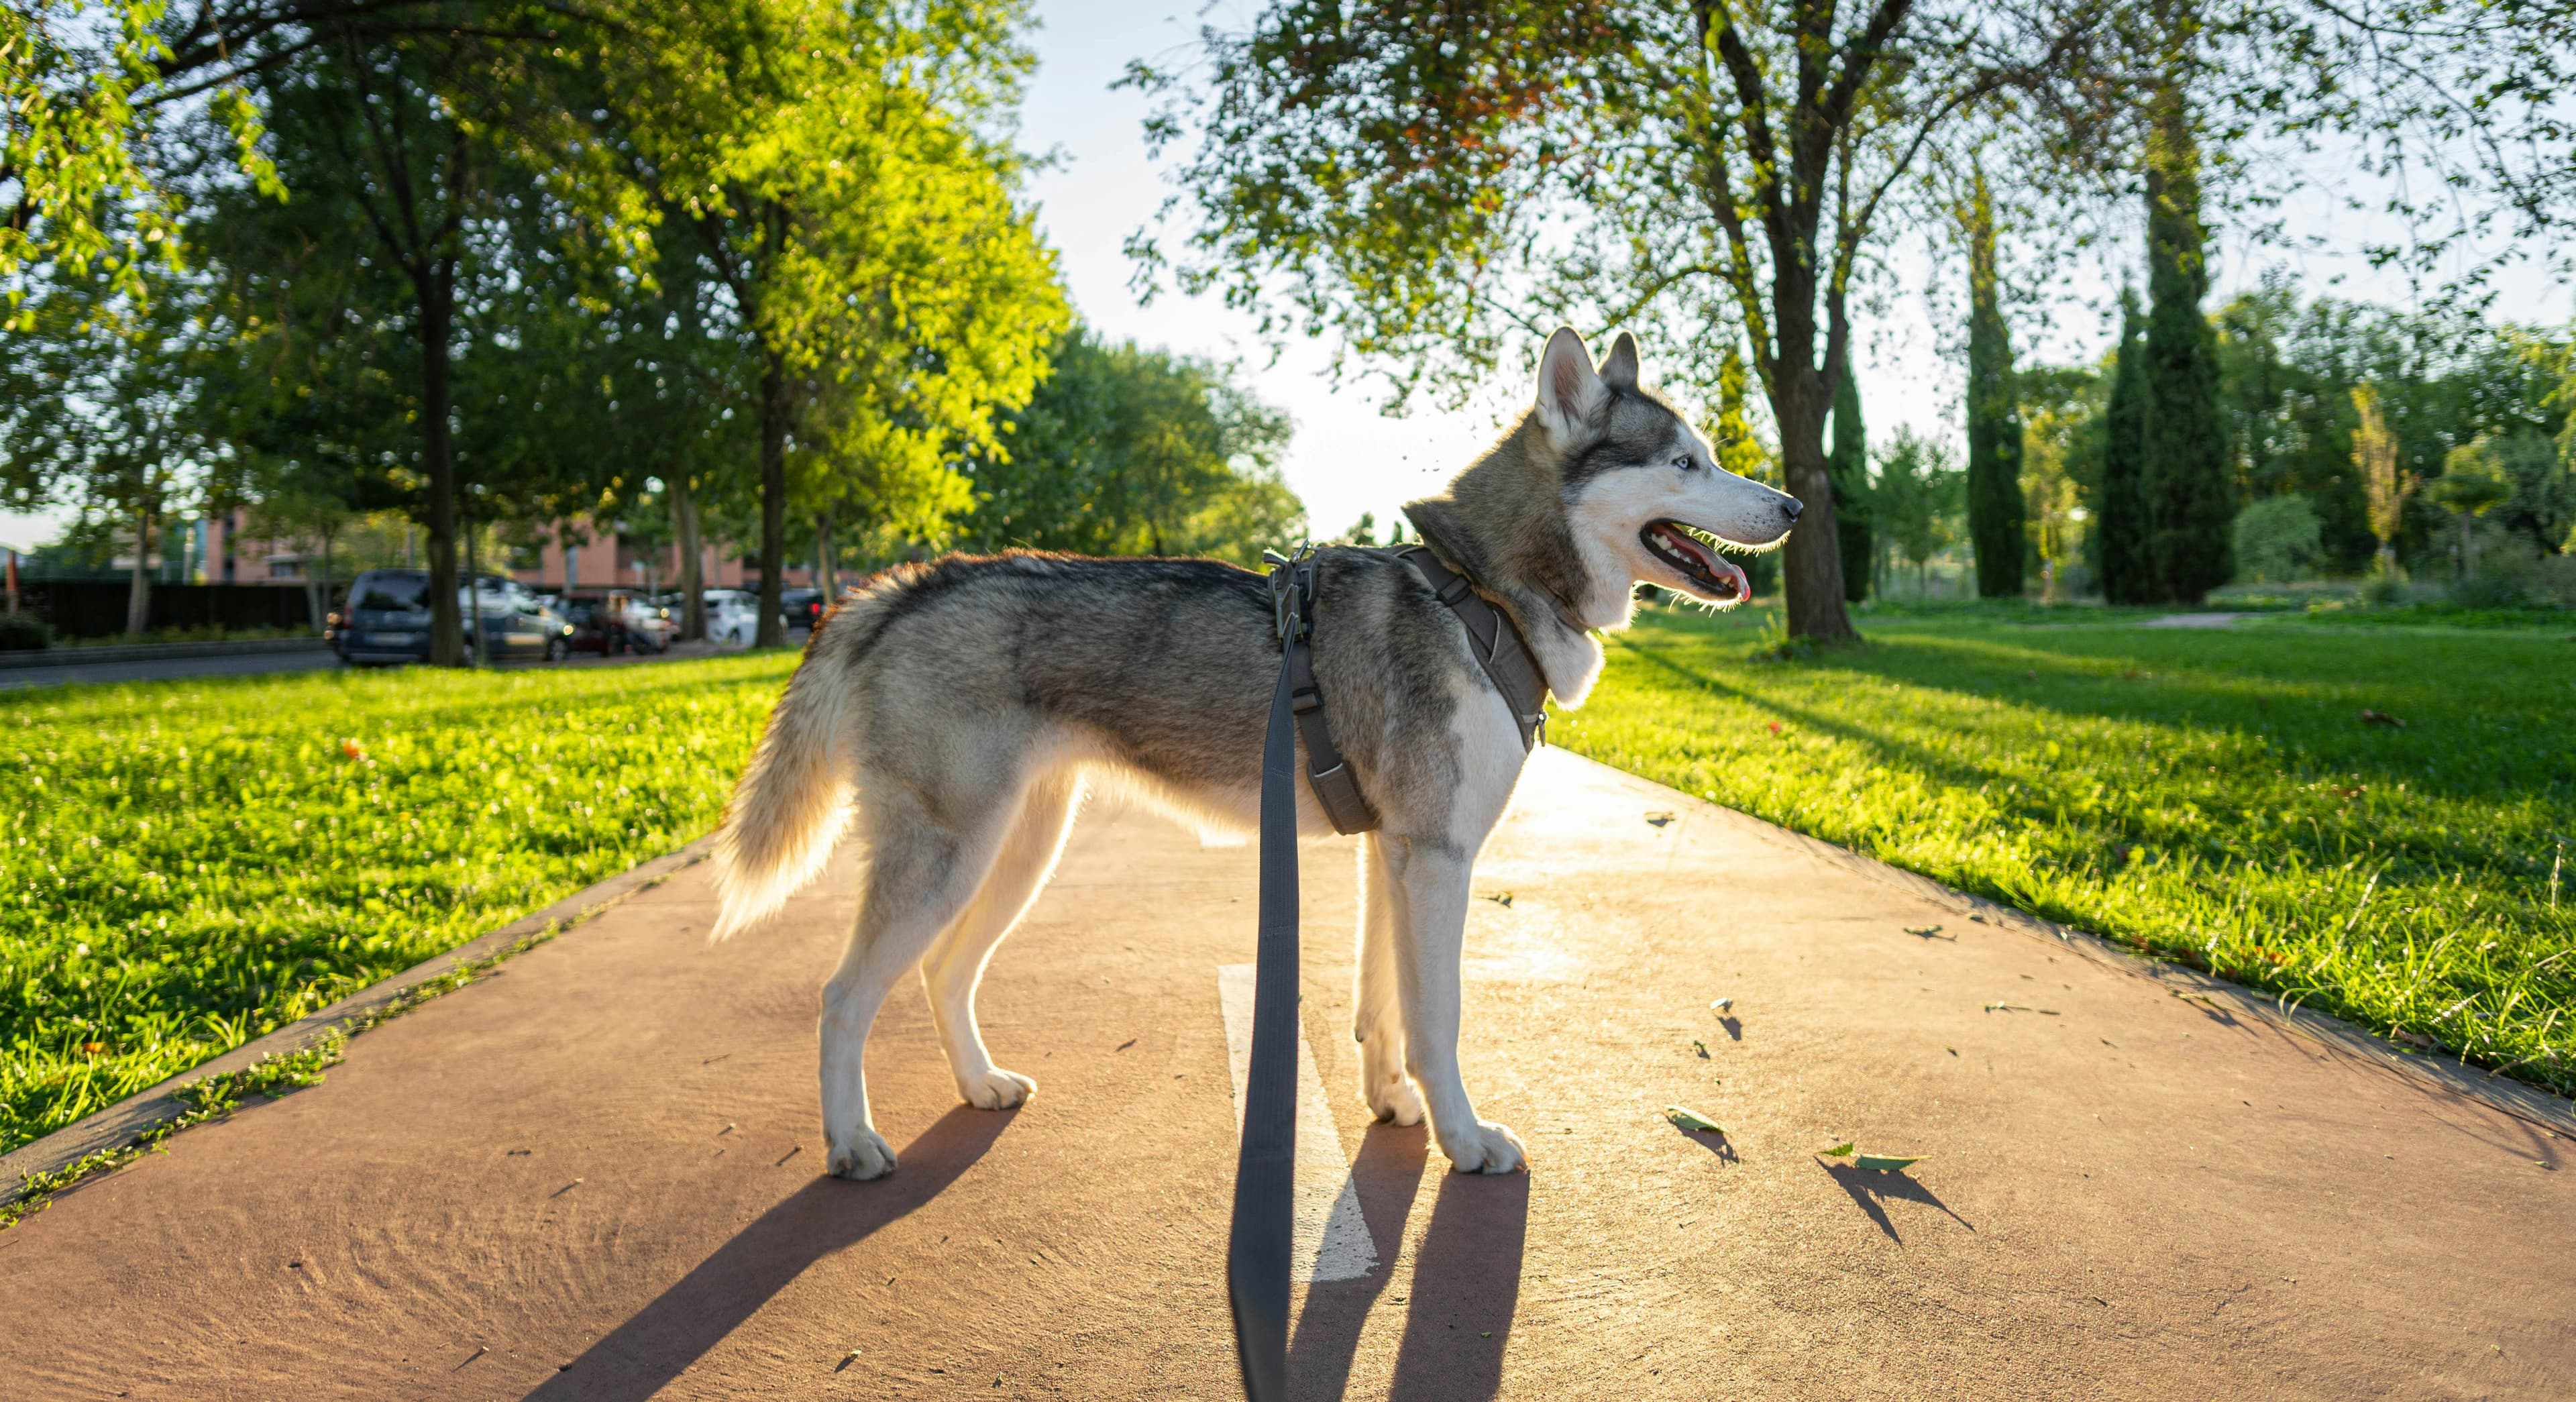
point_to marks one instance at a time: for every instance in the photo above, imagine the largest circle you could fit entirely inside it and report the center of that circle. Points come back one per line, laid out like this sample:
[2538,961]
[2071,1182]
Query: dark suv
[386,620]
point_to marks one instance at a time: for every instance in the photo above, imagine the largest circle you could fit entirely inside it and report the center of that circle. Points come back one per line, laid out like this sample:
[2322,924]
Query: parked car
[801,608]
[733,617]
[618,622]
[385,620]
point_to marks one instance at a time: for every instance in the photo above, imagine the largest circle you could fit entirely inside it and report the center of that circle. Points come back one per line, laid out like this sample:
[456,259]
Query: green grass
[2211,796]
[194,864]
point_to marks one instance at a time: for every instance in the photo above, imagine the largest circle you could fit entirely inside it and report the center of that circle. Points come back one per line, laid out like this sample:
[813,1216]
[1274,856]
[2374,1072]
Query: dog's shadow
[651,1349]
[1464,1289]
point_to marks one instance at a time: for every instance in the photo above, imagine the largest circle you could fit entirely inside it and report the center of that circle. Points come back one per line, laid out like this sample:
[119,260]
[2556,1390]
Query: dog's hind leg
[920,874]
[1377,1017]
[955,965]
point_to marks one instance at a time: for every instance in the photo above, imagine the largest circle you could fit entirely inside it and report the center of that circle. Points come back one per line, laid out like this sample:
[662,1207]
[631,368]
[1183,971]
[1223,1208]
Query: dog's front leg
[1431,888]
[1377,1018]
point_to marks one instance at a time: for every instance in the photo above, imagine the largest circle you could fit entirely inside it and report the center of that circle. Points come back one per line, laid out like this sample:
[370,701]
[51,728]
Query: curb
[145,652]
[2332,1035]
[123,1123]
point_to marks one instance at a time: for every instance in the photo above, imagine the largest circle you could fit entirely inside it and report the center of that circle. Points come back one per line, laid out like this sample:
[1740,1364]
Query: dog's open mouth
[1693,555]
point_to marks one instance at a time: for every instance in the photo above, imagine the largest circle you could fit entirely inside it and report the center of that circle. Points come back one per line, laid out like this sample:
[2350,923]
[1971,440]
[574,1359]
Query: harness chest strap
[1493,639]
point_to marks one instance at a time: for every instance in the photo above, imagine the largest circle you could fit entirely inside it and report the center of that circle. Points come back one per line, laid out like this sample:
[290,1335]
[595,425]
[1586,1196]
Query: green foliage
[1995,505]
[2124,530]
[24,632]
[198,863]
[2184,459]
[1441,185]
[1125,451]
[1848,465]
[2209,796]
[1918,497]
[2276,539]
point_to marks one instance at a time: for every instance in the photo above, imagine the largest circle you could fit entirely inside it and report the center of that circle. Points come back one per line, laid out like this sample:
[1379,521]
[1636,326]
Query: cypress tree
[2185,438]
[1994,419]
[2124,531]
[1847,467]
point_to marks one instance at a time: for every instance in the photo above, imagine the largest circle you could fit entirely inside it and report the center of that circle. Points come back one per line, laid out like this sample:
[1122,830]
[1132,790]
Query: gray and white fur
[958,710]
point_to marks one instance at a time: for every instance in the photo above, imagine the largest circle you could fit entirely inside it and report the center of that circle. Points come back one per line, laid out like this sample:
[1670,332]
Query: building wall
[611,563]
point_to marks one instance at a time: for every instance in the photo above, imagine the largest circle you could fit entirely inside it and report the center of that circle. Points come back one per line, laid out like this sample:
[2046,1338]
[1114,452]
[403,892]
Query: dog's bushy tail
[796,796]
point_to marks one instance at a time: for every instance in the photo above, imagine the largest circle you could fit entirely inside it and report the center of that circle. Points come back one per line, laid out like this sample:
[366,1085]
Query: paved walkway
[596,1175]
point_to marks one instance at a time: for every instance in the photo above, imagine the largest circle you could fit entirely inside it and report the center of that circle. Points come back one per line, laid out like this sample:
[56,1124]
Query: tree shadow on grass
[643,1355]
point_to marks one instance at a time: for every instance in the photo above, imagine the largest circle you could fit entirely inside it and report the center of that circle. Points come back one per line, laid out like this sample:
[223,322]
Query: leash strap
[1335,788]
[1256,1253]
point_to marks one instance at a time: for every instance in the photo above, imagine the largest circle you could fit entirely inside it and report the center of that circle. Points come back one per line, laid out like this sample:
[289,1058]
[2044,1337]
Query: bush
[2276,540]
[23,632]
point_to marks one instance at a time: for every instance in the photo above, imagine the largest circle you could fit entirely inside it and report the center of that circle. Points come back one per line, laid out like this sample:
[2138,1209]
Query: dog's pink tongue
[1716,564]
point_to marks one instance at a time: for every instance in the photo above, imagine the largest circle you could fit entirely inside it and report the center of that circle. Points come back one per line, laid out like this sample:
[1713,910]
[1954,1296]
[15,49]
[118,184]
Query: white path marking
[1331,1233]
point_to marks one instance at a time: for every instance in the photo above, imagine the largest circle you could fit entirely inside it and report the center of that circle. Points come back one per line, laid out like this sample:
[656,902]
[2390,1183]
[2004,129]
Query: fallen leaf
[1721,1005]
[1692,1120]
[1775,727]
[1659,819]
[353,749]
[1885,1163]
[2371,717]
[1701,1047]
[1839,1150]
[1927,931]
[1500,898]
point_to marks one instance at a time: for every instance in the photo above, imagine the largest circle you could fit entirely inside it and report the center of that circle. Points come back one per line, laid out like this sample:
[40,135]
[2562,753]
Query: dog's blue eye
[1685,462]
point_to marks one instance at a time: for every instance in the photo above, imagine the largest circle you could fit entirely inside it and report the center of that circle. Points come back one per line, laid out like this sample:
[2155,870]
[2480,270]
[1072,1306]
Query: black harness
[1492,637]
[1257,1263]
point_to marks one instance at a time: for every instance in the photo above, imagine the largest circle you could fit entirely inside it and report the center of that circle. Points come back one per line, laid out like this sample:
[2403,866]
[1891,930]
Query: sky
[1348,458]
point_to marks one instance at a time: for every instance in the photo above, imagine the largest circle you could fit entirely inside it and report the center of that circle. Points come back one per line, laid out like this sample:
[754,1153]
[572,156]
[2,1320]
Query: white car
[733,617]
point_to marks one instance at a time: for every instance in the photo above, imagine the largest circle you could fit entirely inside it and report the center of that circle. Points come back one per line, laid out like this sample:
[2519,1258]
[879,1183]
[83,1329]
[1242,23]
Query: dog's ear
[1570,391]
[1620,370]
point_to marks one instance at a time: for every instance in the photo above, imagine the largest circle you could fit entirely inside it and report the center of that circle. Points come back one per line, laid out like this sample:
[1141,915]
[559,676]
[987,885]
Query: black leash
[1256,1253]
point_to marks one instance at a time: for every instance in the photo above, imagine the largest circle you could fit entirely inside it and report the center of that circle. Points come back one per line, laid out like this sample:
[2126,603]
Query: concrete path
[595,1175]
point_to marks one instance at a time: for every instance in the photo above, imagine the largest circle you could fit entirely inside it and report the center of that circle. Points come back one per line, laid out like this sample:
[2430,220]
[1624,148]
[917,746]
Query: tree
[1917,500]
[2473,483]
[1404,174]
[2374,457]
[1848,465]
[837,168]
[1127,451]
[2124,534]
[99,409]
[2185,458]
[1995,507]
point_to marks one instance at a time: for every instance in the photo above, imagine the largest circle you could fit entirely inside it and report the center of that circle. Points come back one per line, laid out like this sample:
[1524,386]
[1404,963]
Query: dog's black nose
[1793,507]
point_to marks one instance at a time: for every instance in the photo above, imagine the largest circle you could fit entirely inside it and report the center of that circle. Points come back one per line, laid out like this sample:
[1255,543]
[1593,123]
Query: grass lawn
[2214,796]
[193,864]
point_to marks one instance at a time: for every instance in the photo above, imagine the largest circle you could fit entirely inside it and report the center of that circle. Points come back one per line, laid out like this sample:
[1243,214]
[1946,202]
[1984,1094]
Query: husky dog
[958,709]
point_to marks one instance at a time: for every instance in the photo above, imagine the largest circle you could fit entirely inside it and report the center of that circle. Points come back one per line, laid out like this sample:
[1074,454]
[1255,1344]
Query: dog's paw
[867,1155]
[1485,1147]
[996,1089]
[1395,1100]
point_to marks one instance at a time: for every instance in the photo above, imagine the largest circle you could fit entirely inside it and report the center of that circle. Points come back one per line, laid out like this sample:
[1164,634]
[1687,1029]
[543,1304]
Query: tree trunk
[138,589]
[1811,565]
[438,457]
[684,527]
[824,578]
[773,494]
[473,610]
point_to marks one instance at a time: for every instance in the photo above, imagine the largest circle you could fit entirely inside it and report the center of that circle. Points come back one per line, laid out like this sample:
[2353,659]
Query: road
[597,1174]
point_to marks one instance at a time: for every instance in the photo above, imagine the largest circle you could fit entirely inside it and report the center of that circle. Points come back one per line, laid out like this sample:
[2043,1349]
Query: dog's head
[1643,492]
